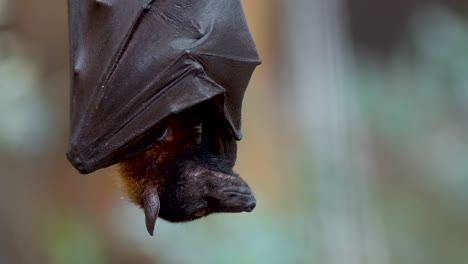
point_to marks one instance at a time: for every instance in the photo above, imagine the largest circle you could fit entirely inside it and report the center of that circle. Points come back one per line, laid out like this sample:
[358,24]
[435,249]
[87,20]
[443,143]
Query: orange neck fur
[150,167]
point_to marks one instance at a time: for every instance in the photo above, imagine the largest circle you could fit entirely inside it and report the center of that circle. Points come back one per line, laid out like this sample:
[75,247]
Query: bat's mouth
[238,190]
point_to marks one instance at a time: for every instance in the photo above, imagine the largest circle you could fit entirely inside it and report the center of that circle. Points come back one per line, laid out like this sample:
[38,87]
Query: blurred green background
[355,144]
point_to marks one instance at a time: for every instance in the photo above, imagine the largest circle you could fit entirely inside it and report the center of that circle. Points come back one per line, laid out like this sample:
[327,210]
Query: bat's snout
[251,206]
[238,199]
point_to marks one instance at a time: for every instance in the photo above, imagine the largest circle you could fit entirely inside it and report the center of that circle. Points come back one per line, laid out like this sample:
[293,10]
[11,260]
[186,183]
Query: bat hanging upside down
[157,88]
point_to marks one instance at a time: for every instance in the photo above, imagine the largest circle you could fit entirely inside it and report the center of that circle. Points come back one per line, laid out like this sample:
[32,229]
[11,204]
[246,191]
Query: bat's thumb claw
[151,207]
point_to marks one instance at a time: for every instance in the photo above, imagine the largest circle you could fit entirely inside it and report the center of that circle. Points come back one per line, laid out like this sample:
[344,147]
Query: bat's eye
[162,133]
[200,212]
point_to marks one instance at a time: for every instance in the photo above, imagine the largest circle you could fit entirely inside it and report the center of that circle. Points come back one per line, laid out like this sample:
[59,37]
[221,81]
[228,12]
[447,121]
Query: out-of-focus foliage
[25,115]
[417,107]
[69,239]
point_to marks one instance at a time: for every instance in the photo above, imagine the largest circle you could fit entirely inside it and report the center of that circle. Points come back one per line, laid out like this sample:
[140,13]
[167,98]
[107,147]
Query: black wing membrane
[135,62]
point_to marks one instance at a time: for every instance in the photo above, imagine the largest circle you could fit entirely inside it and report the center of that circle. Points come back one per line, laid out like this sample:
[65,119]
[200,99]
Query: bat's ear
[151,207]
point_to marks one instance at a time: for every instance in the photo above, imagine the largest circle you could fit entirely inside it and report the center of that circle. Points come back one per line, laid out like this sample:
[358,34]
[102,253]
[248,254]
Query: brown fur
[135,174]
[149,167]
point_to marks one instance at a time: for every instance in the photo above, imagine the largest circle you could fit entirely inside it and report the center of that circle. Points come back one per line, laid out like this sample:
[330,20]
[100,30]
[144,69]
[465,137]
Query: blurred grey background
[355,143]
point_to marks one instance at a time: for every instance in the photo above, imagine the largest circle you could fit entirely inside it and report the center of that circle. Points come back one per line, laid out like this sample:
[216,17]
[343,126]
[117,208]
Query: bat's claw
[151,206]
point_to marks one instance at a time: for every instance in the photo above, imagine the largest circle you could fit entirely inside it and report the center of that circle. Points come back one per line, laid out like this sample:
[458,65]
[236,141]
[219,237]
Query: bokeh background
[355,143]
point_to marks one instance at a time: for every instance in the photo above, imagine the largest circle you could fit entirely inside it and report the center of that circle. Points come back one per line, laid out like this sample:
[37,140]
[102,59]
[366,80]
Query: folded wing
[135,62]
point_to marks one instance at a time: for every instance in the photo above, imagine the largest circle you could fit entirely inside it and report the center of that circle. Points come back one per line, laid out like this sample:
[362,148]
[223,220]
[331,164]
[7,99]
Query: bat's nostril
[251,206]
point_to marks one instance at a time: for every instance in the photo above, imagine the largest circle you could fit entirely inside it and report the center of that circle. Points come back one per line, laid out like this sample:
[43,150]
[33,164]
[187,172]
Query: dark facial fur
[198,185]
[180,180]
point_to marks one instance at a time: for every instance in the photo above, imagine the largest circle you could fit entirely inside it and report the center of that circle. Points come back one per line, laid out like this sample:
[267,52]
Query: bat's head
[179,180]
[198,187]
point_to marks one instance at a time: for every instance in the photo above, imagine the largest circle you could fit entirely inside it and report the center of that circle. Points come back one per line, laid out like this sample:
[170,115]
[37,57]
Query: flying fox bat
[157,87]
